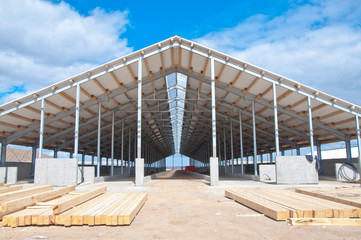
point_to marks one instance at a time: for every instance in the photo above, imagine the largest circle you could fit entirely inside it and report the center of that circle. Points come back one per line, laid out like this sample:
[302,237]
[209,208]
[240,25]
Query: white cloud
[42,43]
[317,44]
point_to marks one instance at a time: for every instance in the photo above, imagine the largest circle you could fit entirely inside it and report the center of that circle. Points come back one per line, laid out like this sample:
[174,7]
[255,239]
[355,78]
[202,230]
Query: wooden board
[21,203]
[106,209]
[325,221]
[349,196]
[10,189]
[268,208]
[283,204]
[24,192]
[62,207]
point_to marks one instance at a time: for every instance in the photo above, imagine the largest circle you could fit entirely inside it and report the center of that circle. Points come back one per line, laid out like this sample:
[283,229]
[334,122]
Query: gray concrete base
[296,170]
[56,171]
[89,174]
[8,175]
[267,173]
[214,172]
[139,172]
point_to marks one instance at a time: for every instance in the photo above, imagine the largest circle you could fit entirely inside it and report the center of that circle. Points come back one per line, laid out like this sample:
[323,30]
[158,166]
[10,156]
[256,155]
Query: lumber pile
[350,196]
[91,208]
[285,204]
[9,188]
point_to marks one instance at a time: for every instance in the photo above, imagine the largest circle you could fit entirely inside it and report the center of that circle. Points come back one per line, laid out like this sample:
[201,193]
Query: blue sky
[316,42]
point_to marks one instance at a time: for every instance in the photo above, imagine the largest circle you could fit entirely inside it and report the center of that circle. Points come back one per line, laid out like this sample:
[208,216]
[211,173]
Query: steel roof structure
[255,111]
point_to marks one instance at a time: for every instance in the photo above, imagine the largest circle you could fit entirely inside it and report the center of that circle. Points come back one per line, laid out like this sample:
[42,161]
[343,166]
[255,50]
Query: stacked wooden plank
[87,208]
[350,196]
[284,204]
[9,188]
[14,201]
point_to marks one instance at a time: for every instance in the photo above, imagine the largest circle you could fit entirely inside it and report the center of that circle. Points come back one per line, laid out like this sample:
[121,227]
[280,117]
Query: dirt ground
[182,206]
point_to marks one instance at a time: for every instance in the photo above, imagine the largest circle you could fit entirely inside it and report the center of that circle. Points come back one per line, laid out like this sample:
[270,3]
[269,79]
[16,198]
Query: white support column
[232,156]
[225,150]
[275,114]
[122,151]
[219,151]
[241,141]
[99,136]
[213,166]
[358,141]
[112,148]
[310,126]
[139,166]
[76,130]
[254,140]
[130,149]
[41,137]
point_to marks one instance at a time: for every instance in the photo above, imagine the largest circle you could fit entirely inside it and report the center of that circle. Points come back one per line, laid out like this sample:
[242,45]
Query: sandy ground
[182,206]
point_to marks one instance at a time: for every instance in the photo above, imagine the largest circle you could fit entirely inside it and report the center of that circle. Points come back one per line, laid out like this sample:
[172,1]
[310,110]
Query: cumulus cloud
[42,43]
[318,44]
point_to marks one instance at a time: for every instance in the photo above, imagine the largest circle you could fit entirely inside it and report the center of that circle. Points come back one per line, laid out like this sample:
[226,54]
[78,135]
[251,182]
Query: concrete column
[254,140]
[348,149]
[70,154]
[358,140]
[99,136]
[92,160]
[270,157]
[298,151]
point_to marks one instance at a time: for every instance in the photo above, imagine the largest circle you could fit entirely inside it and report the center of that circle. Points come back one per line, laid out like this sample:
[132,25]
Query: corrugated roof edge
[287,81]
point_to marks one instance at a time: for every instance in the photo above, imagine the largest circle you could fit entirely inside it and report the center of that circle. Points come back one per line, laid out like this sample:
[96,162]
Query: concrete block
[214,171]
[89,174]
[2,174]
[139,172]
[347,173]
[295,170]
[56,171]
[12,175]
[8,175]
[267,173]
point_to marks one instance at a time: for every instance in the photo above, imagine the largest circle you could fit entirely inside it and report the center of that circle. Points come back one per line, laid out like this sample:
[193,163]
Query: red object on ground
[190,168]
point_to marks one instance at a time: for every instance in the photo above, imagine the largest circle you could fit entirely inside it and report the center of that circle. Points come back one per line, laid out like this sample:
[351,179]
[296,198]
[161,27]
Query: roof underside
[237,84]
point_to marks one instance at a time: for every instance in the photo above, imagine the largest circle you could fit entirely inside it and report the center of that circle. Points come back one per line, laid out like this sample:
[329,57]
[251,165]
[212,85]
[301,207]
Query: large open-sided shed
[177,96]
